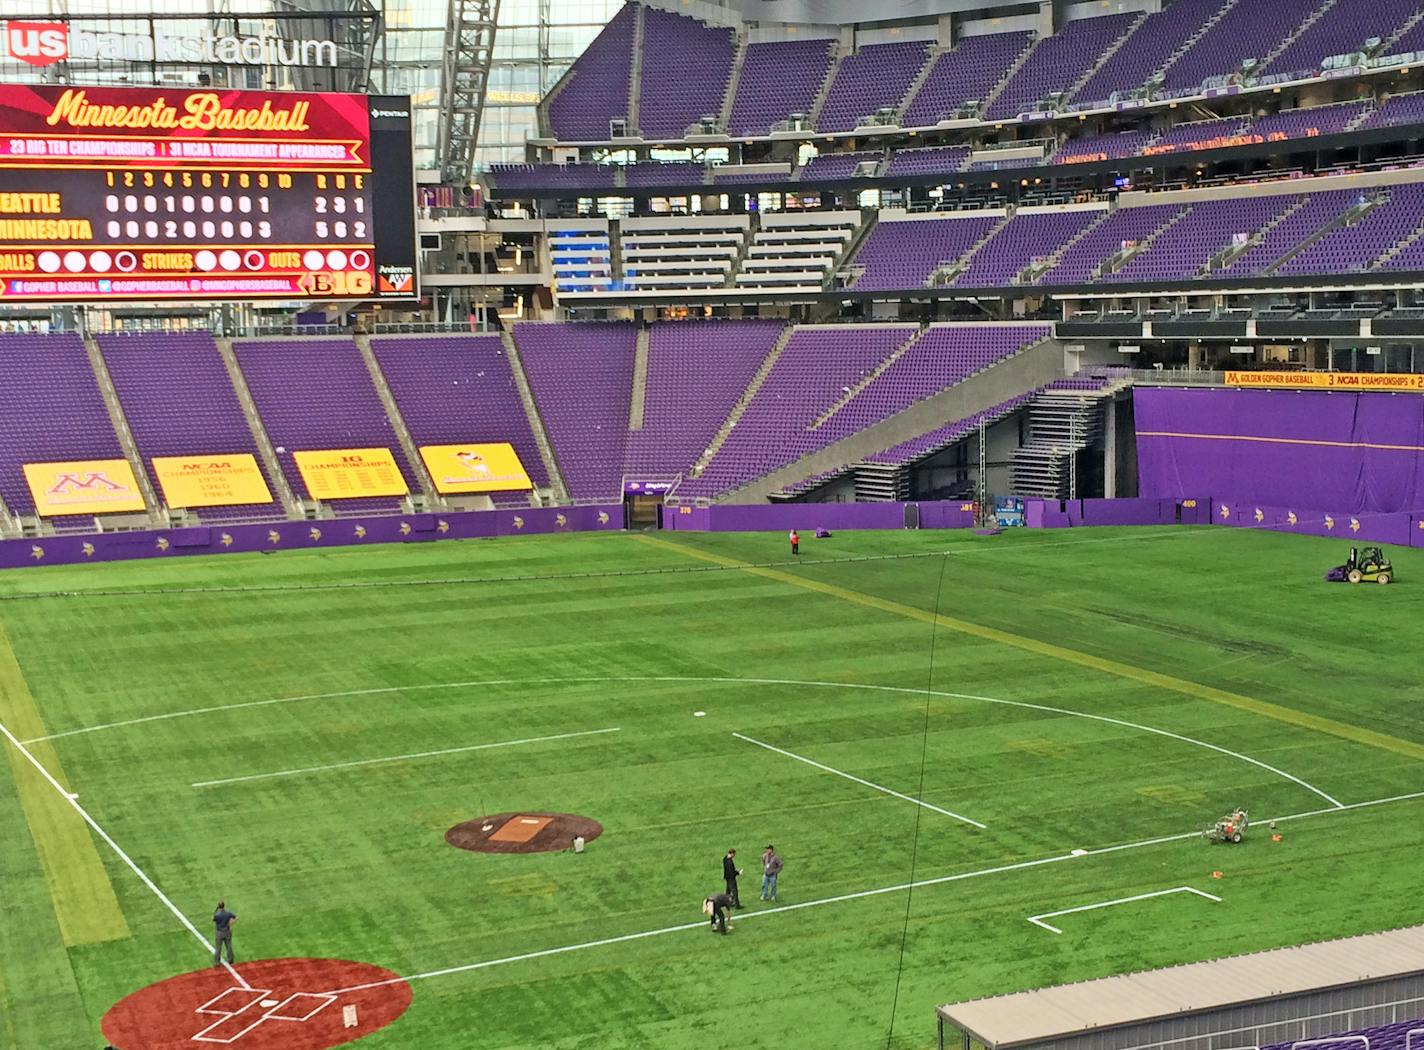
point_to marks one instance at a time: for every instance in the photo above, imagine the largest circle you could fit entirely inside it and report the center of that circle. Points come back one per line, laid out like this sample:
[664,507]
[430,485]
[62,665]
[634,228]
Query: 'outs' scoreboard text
[124,194]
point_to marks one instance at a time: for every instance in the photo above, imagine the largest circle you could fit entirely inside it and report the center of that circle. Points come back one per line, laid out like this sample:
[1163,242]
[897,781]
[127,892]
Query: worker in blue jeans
[770,869]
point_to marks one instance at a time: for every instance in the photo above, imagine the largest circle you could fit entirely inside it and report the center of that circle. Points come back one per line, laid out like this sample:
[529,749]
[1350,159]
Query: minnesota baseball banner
[476,468]
[211,481]
[348,473]
[86,486]
[1395,381]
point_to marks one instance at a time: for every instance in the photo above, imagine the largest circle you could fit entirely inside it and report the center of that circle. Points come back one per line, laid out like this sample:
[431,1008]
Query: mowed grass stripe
[1156,679]
[84,901]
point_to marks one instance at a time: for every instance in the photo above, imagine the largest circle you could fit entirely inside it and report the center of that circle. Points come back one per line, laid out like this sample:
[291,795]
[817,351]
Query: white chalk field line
[118,850]
[400,758]
[1037,920]
[858,780]
[857,895]
[683,679]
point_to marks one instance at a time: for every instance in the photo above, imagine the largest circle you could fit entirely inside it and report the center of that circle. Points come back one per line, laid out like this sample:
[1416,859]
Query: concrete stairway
[1121,258]
[290,502]
[121,428]
[1352,215]
[637,402]
[825,90]
[734,416]
[1305,24]
[1191,41]
[998,89]
[931,57]
[635,71]
[729,99]
[1001,382]
[432,498]
[1062,423]
[536,421]
[1112,49]
[913,337]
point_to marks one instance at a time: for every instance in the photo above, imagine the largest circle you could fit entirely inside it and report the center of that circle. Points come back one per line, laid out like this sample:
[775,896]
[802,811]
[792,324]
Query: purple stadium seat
[778,78]
[686,64]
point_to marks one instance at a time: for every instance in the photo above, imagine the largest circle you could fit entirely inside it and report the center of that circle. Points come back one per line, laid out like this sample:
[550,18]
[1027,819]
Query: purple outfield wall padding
[1362,527]
[1129,511]
[1416,532]
[806,517]
[1357,452]
[300,535]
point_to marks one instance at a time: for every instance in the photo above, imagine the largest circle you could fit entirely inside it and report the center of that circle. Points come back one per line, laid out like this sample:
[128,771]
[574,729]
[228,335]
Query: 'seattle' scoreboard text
[152,193]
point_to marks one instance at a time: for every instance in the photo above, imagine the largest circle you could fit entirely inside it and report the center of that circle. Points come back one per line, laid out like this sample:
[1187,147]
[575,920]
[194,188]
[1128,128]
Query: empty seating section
[1103,147]
[904,253]
[1058,61]
[50,410]
[581,254]
[778,78]
[1146,51]
[1342,29]
[1360,244]
[581,376]
[690,251]
[969,72]
[1247,30]
[945,354]
[1305,123]
[1309,216]
[453,389]
[796,248]
[596,88]
[1396,110]
[1408,42]
[178,399]
[875,77]
[666,173]
[818,365]
[1080,263]
[1209,228]
[552,176]
[1199,134]
[686,64]
[831,167]
[935,160]
[940,438]
[316,394]
[1032,236]
[697,371]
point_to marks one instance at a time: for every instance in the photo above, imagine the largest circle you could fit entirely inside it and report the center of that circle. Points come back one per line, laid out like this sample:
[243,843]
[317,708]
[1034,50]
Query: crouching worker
[716,907]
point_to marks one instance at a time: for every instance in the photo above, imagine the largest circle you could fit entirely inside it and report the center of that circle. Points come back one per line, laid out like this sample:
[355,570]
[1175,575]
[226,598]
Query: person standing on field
[222,922]
[730,871]
[770,869]
[795,542]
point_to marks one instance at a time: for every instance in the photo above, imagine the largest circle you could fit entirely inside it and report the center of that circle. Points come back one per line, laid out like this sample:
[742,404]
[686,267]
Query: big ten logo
[340,282]
[37,43]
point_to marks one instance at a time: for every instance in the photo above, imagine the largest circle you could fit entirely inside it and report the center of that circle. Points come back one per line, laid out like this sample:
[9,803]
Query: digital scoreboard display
[131,194]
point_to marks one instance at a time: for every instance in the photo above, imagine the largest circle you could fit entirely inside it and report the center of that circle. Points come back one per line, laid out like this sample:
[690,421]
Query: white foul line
[1037,919]
[858,895]
[692,678]
[399,758]
[69,797]
[851,776]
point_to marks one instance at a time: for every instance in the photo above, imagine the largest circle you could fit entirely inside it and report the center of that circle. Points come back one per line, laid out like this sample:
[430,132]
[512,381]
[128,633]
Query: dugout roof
[1068,1010]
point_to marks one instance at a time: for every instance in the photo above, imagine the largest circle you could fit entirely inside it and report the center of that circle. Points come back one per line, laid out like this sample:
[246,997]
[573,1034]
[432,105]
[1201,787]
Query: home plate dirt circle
[522,832]
[292,1004]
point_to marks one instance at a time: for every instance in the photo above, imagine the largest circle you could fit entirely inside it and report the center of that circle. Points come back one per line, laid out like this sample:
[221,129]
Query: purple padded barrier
[1358,453]
[805,517]
[1129,511]
[1332,524]
[1416,532]
[301,535]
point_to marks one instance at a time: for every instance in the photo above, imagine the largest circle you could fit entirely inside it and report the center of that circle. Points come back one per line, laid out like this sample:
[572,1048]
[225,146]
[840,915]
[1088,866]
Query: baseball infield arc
[522,832]
[290,1005]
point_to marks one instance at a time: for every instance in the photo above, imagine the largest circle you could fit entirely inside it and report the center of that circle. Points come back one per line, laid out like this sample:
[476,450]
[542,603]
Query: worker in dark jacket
[730,871]
[716,906]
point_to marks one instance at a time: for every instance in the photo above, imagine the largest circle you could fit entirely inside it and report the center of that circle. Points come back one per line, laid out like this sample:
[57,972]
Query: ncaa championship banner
[211,481]
[1392,381]
[349,473]
[458,469]
[86,486]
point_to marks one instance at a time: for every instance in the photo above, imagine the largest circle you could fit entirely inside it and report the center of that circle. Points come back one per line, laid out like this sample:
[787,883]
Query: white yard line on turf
[859,780]
[1037,920]
[399,758]
[94,824]
[859,895]
[716,680]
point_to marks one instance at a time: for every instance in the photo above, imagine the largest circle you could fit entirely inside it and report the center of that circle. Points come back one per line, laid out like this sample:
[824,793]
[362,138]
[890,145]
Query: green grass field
[1216,668]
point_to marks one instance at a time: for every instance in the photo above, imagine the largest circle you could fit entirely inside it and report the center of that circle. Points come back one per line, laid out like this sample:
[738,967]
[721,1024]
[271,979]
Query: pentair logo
[37,43]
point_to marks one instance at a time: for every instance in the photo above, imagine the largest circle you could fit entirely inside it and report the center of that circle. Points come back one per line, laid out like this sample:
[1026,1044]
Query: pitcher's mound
[279,1004]
[522,832]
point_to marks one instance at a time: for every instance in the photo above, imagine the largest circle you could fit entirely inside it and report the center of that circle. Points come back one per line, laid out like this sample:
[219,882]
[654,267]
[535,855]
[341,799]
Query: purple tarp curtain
[1359,453]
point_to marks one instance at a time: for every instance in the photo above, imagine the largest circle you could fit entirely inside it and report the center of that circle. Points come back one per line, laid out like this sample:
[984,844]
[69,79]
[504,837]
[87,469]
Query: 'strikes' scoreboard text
[153,193]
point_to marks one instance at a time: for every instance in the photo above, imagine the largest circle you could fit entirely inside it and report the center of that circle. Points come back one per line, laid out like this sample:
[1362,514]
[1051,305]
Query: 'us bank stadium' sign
[45,43]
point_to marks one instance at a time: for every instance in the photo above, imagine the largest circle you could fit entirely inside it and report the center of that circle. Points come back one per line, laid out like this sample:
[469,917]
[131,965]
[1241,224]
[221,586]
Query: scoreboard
[132,194]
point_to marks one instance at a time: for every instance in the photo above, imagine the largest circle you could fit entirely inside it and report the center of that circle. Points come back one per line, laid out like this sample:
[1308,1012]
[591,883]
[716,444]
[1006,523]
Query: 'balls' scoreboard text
[136,193]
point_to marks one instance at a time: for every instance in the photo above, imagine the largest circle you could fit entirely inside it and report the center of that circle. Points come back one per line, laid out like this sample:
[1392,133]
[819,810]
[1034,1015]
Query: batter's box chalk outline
[274,1012]
[256,996]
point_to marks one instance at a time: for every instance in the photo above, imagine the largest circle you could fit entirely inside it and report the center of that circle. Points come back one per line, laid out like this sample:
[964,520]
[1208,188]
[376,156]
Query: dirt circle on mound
[292,1004]
[522,832]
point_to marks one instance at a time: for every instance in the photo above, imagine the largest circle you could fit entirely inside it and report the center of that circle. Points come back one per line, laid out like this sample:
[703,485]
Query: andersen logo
[45,43]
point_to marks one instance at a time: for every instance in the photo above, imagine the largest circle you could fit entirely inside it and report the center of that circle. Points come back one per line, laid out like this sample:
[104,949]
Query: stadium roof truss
[469,52]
